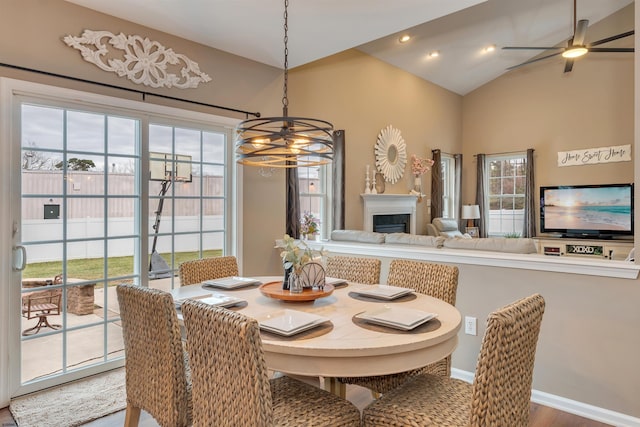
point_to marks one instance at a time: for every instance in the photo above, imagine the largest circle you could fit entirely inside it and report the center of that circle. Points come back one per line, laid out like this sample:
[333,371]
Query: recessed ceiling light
[434,54]
[405,38]
[490,48]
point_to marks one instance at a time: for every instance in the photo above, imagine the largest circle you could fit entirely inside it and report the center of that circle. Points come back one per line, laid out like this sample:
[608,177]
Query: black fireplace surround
[394,223]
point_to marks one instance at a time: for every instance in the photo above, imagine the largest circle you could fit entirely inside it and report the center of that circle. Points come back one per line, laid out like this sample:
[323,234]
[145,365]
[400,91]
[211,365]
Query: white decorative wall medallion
[139,59]
[391,154]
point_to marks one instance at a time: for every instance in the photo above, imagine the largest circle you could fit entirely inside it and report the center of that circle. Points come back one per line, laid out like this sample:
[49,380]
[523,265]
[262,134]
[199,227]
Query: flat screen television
[587,211]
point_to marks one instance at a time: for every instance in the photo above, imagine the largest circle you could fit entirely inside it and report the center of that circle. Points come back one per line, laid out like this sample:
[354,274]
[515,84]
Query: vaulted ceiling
[459,30]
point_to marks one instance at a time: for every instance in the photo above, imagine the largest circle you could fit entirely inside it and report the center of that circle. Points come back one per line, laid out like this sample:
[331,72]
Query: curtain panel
[337,169]
[481,200]
[457,204]
[436,185]
[293,203]
[529,226]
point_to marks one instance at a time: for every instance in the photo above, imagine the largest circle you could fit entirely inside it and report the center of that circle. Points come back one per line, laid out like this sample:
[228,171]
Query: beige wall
[589,342]
[31,33]
[363,95]
[540,107]
[589,339]
[588,345]
[31,36]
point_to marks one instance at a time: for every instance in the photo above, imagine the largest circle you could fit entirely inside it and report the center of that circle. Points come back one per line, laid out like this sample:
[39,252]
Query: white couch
[491,244]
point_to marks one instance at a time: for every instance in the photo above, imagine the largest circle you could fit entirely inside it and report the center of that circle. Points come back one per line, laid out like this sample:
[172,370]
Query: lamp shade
[470,212]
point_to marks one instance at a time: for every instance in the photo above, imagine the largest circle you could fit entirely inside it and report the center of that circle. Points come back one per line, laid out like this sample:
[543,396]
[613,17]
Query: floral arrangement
[419,165]
[309,223]
[296,253]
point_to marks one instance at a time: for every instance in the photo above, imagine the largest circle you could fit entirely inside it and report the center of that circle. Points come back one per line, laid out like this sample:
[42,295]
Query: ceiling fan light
[405,38]
[575,52]
[490,48]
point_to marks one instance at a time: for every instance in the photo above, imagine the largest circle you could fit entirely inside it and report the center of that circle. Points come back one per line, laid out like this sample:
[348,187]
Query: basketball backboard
[167,167]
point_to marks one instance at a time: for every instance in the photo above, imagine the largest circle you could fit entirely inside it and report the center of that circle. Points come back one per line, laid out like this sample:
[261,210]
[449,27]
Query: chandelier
[284,142]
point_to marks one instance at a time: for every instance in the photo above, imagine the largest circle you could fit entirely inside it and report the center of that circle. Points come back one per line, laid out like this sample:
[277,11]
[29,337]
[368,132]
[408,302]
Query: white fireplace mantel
[389,204]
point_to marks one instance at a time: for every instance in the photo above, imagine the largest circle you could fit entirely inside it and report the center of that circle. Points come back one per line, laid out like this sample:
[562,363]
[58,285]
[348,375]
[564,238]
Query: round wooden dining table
[345,346]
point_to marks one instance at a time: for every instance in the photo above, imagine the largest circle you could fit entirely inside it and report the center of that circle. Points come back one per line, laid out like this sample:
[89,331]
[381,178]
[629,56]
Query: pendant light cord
[285,100]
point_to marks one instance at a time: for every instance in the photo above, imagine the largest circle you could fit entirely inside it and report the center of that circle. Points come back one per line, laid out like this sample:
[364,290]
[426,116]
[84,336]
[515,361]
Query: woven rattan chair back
[156,369]
[436,280]
[504,373]
[229,374]
[199,270]
[230,381]
[354,269]
[500,394]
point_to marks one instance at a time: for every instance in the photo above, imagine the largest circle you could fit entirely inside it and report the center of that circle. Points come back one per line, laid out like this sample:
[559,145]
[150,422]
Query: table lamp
[470,212]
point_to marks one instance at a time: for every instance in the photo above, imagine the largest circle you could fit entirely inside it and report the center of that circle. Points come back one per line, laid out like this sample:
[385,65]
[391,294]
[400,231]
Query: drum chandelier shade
[284,142]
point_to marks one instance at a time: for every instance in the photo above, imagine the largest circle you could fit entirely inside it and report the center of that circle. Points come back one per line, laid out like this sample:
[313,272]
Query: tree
[34,159]
[76,164]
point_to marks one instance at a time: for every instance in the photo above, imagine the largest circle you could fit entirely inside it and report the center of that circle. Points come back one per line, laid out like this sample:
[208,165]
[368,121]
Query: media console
[603,249]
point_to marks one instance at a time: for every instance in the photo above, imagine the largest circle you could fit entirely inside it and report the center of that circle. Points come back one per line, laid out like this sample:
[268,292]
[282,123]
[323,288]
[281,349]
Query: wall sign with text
[590,156]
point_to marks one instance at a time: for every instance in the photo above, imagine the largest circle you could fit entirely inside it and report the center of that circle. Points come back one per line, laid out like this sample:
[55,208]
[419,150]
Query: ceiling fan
[575,45]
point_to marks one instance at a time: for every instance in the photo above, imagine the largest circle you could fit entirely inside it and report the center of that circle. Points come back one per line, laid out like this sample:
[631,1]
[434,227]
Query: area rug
[72,404]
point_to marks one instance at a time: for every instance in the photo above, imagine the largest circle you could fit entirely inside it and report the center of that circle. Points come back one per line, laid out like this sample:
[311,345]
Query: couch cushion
[446,227]
[358,236]
[445,224]
[494,244]
[451,234]
[415,239]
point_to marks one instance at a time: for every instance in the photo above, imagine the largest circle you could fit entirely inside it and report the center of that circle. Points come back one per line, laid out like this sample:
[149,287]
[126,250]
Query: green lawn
[93,268]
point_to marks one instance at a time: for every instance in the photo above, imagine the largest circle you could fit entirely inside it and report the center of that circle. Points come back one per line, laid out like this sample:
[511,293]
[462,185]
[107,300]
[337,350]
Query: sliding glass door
[80,210]
[109,194]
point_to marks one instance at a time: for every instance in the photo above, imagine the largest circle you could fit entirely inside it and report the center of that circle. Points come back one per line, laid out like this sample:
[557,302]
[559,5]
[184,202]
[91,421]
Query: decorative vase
[285,281]
[379,183]
[295,284]
[417,187]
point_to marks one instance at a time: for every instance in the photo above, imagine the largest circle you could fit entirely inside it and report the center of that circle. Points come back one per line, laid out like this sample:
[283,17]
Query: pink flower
[420,166]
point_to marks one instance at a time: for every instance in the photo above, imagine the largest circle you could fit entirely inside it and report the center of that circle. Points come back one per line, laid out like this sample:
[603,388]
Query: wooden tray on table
[274,290]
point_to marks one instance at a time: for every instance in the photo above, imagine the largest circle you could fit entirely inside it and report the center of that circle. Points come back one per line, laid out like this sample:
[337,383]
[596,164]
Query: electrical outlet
[470,325]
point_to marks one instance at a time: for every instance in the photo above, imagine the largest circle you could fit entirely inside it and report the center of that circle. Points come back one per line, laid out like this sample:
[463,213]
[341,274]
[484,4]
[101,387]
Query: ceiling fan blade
[611,49]
[533,60]
[532,47]
[612,38]
[581,31]
[568,66]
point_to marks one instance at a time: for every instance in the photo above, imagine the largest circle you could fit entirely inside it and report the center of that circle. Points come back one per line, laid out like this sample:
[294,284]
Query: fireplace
[391,213]
[394,223]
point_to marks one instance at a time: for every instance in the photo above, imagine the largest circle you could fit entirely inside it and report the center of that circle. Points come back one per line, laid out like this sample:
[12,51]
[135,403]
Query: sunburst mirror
[391,154]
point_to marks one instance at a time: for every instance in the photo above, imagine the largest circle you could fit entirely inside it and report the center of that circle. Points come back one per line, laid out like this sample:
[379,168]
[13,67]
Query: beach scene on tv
[598,208]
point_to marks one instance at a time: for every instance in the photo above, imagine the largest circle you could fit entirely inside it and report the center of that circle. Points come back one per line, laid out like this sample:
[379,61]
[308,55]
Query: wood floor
[541,416]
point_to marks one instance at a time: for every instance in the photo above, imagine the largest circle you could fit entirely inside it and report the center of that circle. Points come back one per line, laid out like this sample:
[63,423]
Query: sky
[43,129]
[594,196]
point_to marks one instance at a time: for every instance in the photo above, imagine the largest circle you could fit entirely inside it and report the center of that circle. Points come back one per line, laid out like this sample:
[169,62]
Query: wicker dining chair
[156,364]
[354,269]
[436,280]
[199,270]
[231,386]
[500,394]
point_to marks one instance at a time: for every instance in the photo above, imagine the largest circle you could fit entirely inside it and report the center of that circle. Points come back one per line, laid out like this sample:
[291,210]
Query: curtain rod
[140,92]
[506,152]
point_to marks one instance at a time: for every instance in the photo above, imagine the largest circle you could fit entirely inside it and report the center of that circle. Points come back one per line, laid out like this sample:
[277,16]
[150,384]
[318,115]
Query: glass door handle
[23,258]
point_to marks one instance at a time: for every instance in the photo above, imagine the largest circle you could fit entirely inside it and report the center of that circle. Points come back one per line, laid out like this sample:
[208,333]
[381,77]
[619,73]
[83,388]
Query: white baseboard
[567,405]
